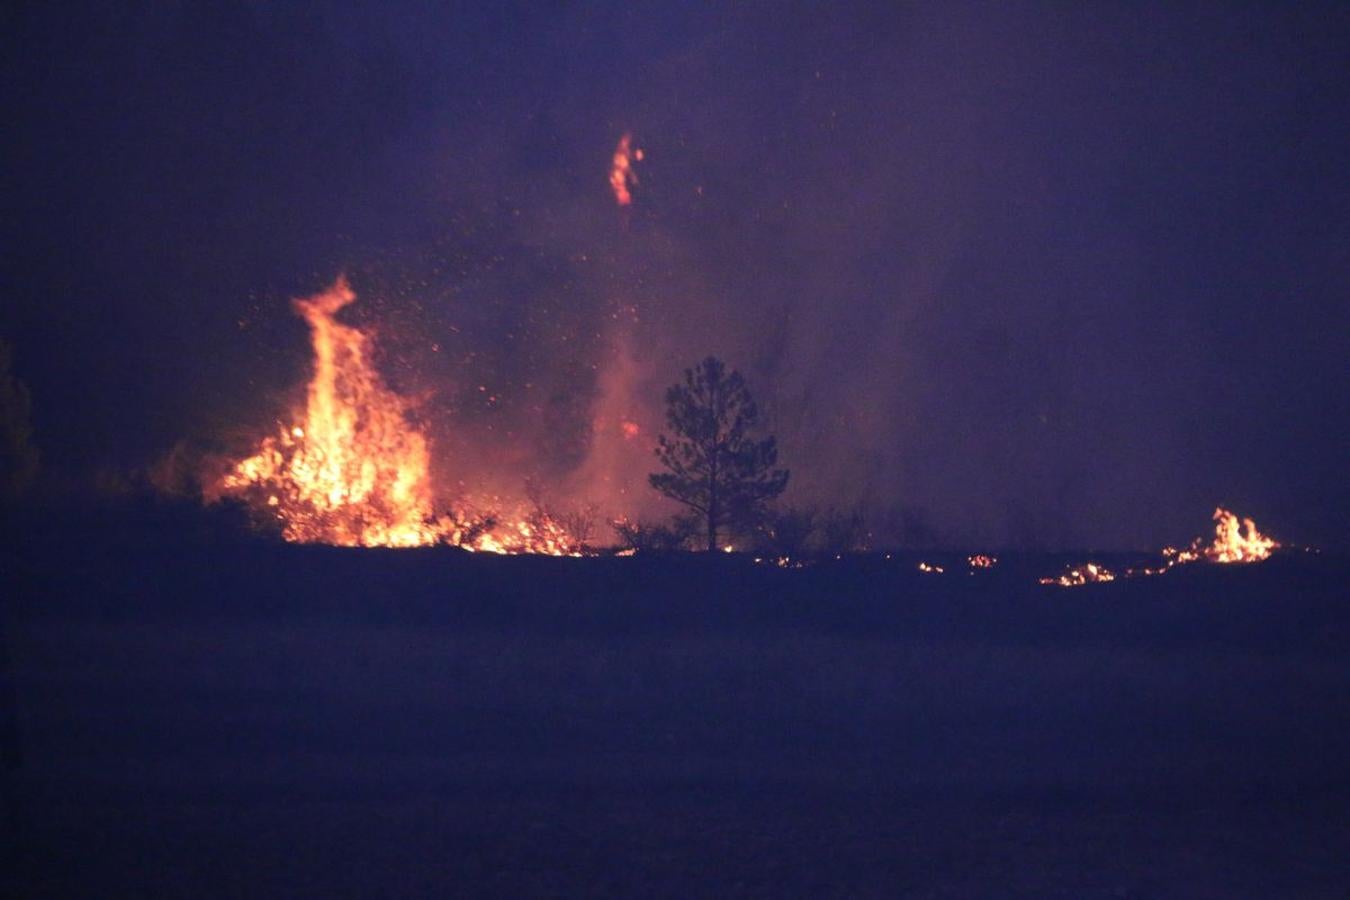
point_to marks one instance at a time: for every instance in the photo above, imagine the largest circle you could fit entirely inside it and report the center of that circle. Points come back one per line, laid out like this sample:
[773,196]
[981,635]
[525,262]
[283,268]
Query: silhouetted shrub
[787,532]
[842,531]
[648,537]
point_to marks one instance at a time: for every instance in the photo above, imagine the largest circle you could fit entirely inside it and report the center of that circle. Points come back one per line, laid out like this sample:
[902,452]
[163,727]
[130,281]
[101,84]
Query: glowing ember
[1174,557]
[1088,574]
[931,569]
[980,561]
[782,562]
[622,175]
[355,471]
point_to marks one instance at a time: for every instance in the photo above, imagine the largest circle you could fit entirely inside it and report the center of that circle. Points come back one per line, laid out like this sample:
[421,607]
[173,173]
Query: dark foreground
[220,718]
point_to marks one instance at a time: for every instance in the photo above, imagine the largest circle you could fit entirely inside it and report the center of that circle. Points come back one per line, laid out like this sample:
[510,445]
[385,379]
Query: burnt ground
[205,715]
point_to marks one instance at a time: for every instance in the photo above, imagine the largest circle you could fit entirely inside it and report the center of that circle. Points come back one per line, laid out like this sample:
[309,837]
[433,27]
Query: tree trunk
[713,511]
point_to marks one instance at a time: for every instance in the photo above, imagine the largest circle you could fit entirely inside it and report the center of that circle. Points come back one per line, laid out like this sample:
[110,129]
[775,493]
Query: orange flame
[1237,544]
[355,472]
[1233,543]
[622,175]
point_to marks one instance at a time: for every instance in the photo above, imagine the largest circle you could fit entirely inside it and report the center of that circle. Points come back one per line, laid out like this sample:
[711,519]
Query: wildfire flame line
[1233,542]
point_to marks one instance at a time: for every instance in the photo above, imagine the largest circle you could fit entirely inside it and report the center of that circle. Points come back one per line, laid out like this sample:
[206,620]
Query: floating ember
[354,471]
[622,175]
[930,568]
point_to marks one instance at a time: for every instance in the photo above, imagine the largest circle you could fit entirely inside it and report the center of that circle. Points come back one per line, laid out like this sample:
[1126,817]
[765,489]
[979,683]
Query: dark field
[218,717]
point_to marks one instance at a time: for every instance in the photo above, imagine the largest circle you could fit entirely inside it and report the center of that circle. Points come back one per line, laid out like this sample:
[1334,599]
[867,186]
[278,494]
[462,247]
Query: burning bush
[354,471]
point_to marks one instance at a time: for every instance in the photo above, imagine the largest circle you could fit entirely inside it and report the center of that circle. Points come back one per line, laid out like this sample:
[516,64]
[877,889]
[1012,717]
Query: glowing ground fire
[354,471]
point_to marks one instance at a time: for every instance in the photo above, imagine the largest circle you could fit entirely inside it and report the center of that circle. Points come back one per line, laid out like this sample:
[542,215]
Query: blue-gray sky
[1067,274]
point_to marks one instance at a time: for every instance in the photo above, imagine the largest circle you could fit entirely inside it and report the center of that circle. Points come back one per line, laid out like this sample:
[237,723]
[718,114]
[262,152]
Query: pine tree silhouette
[716,467]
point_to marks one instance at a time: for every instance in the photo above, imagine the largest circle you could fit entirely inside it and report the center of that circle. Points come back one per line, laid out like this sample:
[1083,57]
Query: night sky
[1065,275]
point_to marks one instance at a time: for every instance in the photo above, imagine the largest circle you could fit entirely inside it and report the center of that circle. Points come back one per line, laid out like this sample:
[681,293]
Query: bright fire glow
[980,561]
[355,472]
[930,568]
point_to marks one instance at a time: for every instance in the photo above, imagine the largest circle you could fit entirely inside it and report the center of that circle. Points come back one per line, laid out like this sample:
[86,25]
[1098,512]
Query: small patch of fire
[930,569]
[355,472]
[1088,574]
[1234,544]
[980,561]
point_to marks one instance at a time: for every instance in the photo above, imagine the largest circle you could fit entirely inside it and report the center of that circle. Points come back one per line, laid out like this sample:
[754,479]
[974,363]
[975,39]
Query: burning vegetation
[1237,544]
[354,471]
[1232,543]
